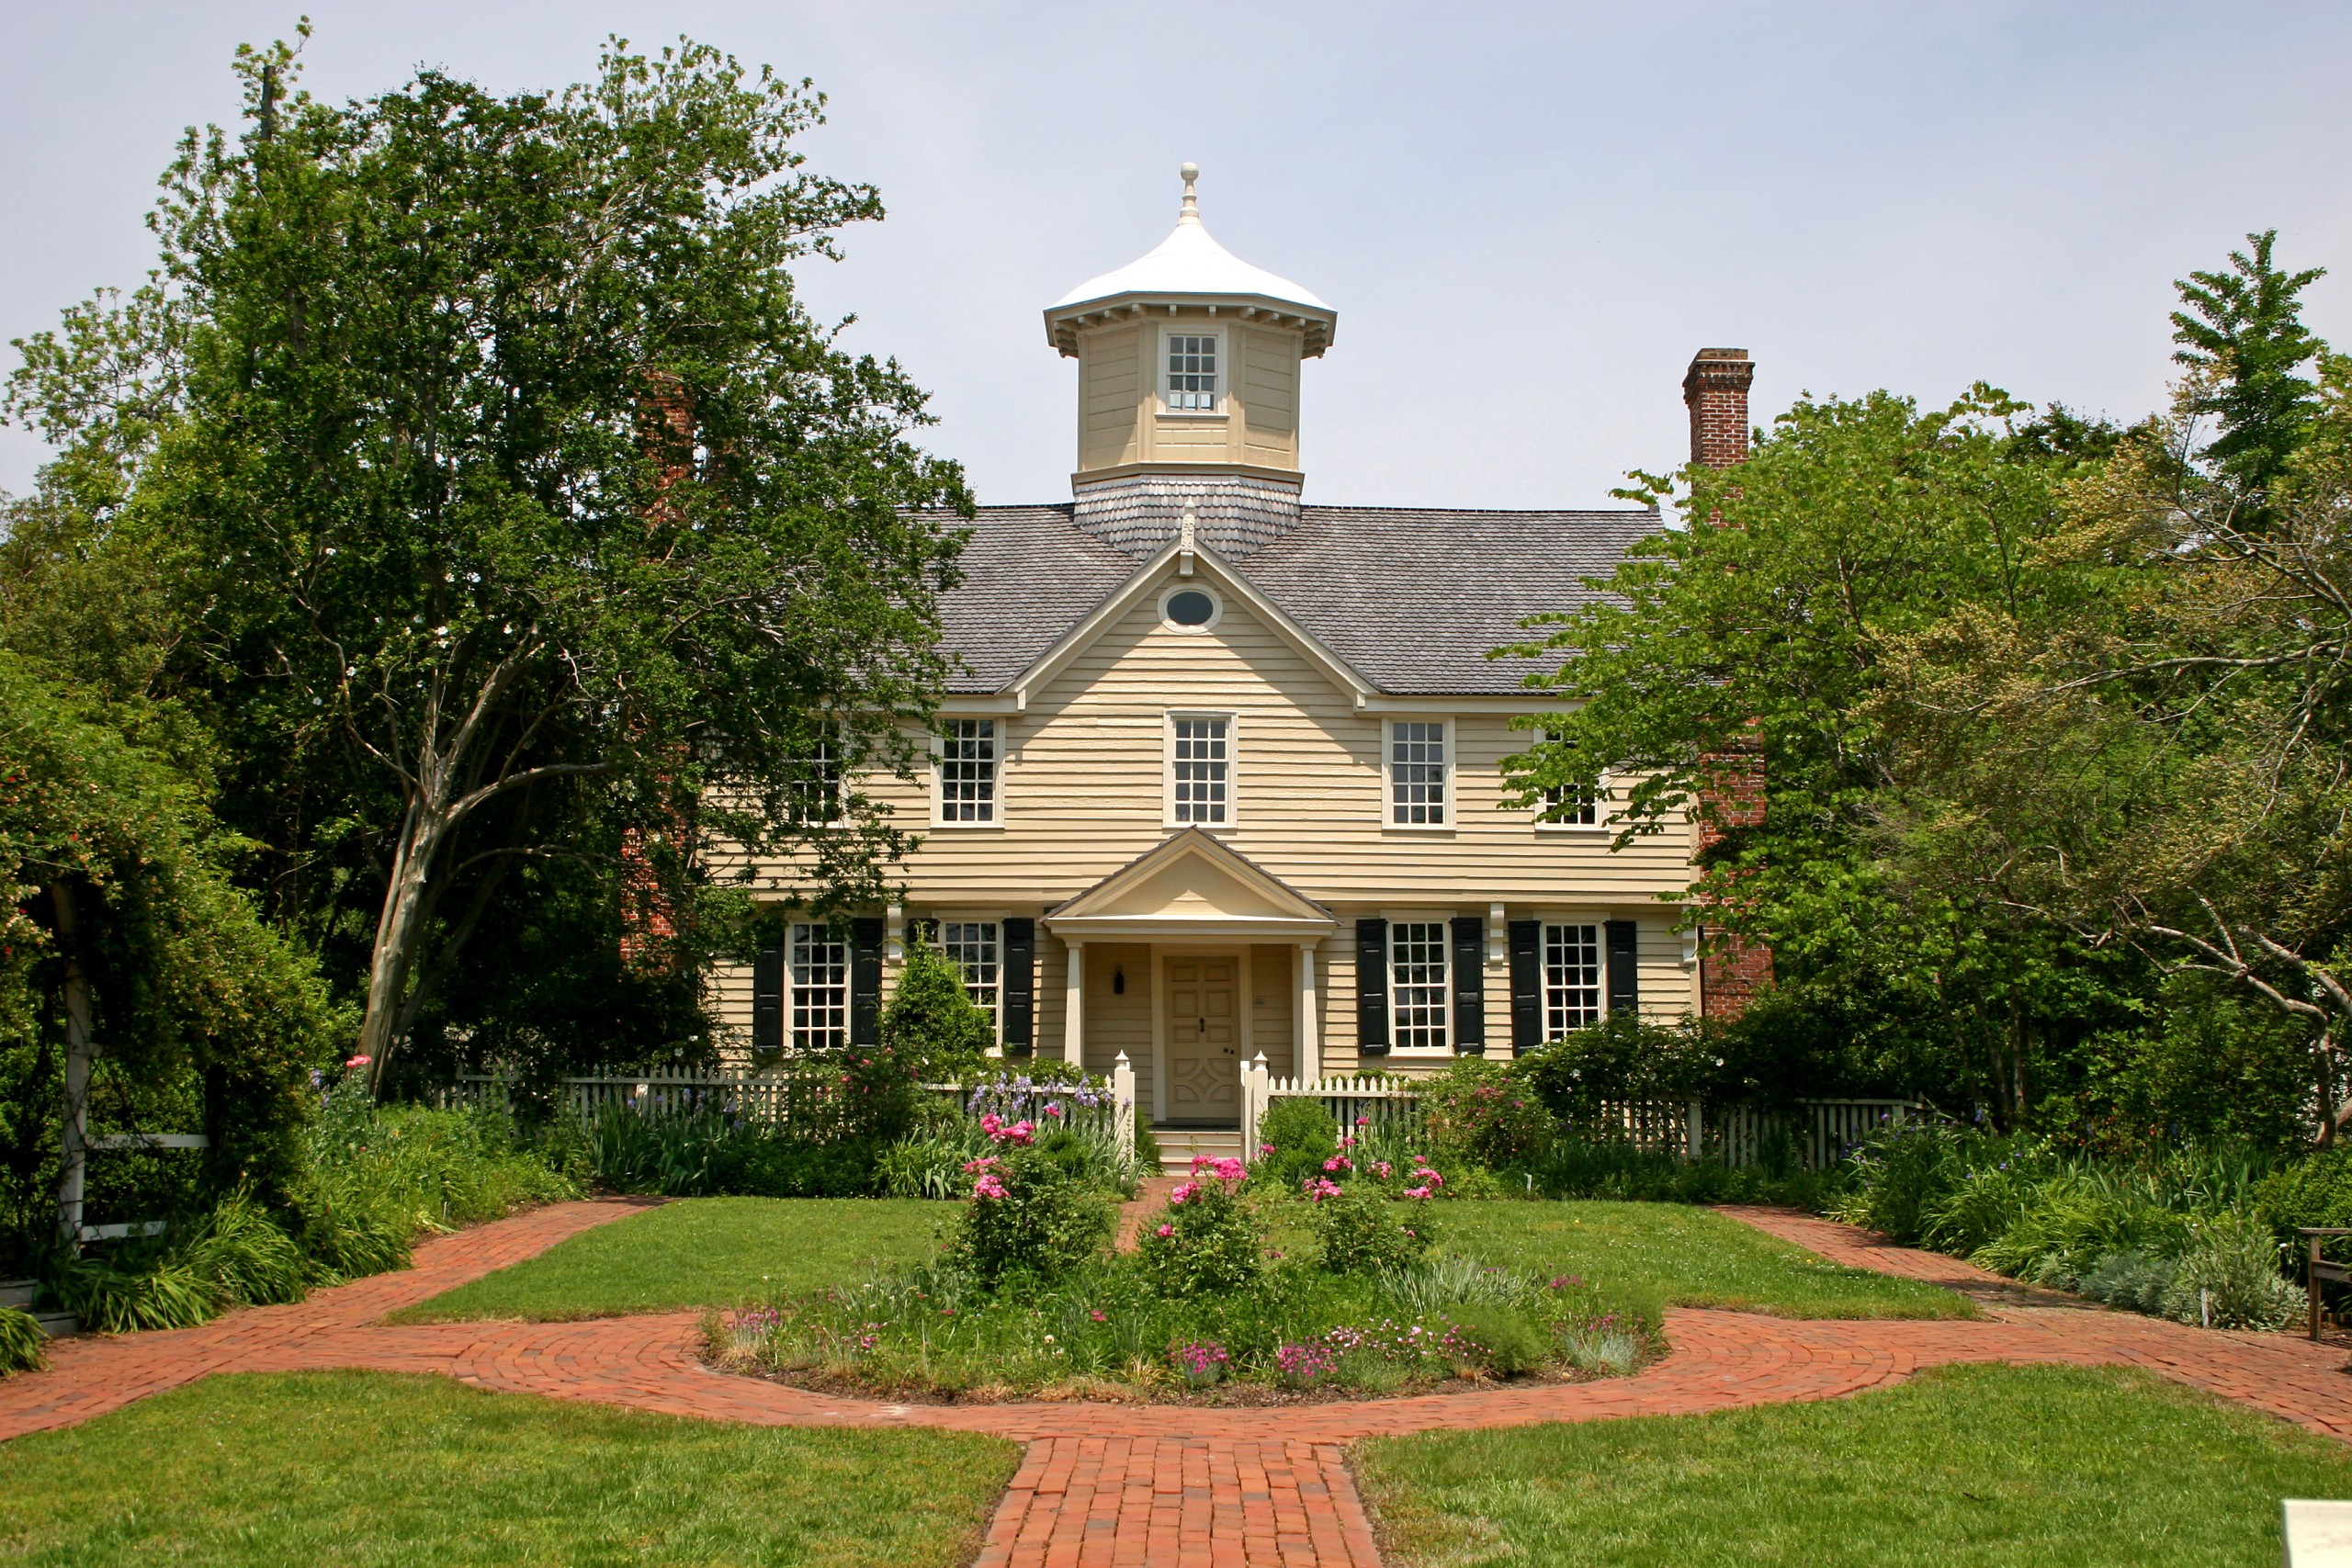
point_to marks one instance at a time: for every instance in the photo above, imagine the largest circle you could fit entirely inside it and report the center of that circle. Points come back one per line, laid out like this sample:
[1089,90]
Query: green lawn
[699,1252]
[1965,1467]
[365,1468]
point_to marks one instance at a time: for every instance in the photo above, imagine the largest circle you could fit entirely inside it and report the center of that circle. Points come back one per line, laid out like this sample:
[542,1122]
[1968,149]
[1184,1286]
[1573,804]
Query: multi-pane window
[818,963]
[816,783]
[1192,372]
[1567,806]
[1416,772]
[1202,788]
[1417,982]
[967,771]
[1571,978]
[972,944]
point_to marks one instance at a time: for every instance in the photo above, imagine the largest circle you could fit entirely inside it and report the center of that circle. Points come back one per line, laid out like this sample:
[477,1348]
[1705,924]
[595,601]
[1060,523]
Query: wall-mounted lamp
[1118,980]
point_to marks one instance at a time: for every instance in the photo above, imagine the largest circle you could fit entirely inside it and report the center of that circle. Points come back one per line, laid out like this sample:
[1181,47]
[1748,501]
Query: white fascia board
[1239,928]
[1440,704]
[1081,637]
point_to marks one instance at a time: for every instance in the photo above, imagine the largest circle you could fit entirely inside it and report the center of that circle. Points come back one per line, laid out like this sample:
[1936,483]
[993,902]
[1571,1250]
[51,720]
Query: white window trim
[1598,925]
[1601,815]
[1388,822]
[939,782]
[792,986]
[1443,920]
[1168,767]
[992,917]
[839,816]
[1224,371]
[1190,585]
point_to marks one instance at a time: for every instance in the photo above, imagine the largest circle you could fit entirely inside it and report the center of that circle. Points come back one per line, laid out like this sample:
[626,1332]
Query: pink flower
[1416,1191]
[1183,1191]
[1339,1162]
[1348,1143]
[1319,1188]
[1053,1110]
[358,1061]
[988,1185]
[986,1162]
[989,1122]
[1382,1166]
[1265,1149]
[1224,1170]
[1364,1121]
[1099,1315]
[1164,1231]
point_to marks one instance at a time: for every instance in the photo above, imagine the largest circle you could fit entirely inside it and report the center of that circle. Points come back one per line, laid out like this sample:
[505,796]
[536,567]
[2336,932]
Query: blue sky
[1527,216]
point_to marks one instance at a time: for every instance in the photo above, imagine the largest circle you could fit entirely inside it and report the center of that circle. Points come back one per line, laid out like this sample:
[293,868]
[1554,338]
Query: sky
[1527,217]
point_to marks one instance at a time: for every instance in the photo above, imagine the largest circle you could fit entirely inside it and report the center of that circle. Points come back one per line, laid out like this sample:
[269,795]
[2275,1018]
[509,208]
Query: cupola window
[1192,372]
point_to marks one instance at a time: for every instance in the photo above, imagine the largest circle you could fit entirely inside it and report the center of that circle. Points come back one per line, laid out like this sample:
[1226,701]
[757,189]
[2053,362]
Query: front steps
[18,1293]
[1178,1145]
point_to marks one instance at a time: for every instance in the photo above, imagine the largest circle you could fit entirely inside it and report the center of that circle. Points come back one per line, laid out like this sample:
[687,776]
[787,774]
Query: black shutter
[1371,987]
[1526,986]
[1019,986]
[866,981]
[1469,985]
[1624,967]
[767,1001]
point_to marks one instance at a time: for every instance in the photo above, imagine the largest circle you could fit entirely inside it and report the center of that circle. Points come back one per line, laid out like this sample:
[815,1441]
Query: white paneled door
[1204,1040]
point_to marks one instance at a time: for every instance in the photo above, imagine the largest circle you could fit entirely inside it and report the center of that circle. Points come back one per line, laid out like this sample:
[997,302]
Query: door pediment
[1190,885]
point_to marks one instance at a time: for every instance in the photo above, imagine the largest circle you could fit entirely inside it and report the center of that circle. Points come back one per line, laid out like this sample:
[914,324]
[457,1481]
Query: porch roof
[1191,887]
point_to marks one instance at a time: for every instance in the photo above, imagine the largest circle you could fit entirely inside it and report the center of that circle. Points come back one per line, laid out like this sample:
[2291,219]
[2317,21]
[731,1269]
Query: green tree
[1773,618]
[499,484]
[2241,335]
[933,1021]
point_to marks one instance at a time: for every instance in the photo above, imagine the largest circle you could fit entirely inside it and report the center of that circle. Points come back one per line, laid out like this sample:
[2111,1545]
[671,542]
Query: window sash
[1419,992]
[814,794]
[817,971]
[1573,971]
[967,771]
[976,947]
[1416,773]
[1192,372]
[1566,805]
[1201,763]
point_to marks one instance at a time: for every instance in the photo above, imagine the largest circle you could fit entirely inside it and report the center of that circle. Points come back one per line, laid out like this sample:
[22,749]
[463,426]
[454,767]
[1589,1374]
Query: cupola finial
[1191,212]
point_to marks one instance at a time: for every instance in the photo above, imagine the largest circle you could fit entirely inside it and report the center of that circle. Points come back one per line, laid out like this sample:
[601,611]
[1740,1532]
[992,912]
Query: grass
[697,1252]
[1677,1256]
[1964,1466]
[368,1468]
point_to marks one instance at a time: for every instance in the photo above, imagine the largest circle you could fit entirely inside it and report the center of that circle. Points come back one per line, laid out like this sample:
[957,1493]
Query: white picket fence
[1819,1131]
[811,1101]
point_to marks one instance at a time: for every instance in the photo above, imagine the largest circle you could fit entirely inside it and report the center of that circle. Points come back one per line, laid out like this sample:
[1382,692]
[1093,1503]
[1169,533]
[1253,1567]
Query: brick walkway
[1169,1484]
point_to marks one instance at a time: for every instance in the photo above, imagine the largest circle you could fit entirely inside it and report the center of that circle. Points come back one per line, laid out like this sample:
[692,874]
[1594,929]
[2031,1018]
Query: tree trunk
[399,929]
[77,1070]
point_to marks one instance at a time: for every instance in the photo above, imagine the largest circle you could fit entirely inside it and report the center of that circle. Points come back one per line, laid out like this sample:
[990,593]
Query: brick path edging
[1130,1484]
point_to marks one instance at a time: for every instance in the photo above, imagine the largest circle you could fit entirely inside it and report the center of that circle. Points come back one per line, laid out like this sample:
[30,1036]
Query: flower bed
[1024,1300]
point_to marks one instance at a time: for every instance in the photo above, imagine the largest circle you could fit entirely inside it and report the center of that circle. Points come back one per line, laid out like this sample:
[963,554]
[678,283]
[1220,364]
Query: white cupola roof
[1189,268]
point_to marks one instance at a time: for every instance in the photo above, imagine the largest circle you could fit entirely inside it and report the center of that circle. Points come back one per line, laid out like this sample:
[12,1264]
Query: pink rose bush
[1204,1240]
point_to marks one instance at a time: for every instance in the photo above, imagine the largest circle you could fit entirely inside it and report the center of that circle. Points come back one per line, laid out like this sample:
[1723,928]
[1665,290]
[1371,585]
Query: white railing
[1818,1132]
[804,1099]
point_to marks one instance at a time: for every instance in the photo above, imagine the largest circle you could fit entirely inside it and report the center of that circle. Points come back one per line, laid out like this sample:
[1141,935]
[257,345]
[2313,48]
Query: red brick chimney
[1731,971]
[1715,389]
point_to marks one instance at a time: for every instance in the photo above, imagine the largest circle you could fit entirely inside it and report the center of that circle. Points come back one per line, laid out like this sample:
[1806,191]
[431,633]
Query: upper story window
[1419,998]
[1566,805]
[1416,772]
[818,970]
[1200,761]
[1571,978]
[814,793]
[1192,372]
[973,947]
[967,771]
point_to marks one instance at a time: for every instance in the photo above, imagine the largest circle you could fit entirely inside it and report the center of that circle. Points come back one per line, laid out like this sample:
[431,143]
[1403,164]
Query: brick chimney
[1715,391]
[1731,971]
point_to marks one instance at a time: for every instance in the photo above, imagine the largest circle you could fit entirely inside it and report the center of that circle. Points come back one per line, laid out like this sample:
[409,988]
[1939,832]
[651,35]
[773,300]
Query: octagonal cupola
[1189,372]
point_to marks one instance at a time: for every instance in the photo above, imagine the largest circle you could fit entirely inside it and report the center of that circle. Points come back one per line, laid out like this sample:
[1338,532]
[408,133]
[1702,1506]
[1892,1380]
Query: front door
[1204,1041]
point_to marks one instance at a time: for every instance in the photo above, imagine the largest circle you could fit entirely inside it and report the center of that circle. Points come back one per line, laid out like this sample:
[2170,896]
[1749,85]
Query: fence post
[1695,1133]
[1253,1101]
[1123,1095]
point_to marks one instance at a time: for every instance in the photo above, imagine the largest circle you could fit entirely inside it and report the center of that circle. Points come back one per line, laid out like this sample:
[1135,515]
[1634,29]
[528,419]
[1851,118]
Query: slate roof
[1411,597]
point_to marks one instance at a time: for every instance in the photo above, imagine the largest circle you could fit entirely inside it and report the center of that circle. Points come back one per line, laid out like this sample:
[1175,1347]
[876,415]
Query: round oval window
[1191,608]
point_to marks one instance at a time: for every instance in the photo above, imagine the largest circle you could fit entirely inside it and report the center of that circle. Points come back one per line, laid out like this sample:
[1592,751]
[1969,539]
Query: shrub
[23,1346]
[1028,1215]
[1485,1114]
[1498,1339]
[2136,1281]
[1622,1057]
[2317,1191]
[932,1023]
[2229,1279]
[1295,1136]
[1362,1232]
[235,1255]
[1600,1347]
[1202,1241]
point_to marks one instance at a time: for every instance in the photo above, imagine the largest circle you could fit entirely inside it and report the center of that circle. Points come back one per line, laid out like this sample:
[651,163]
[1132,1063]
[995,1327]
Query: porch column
[1308,1062]
[1074,1004]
